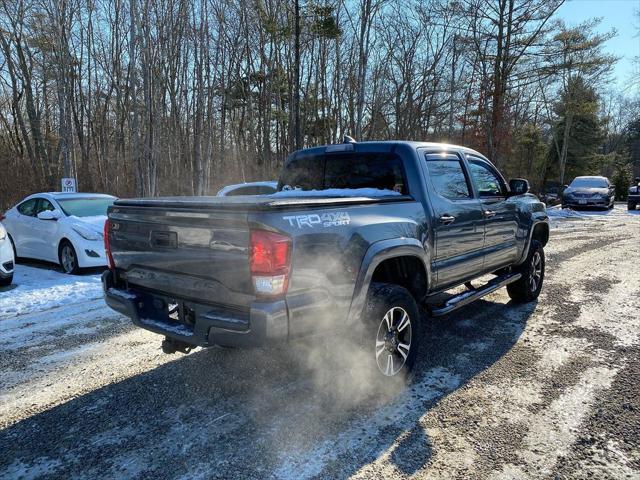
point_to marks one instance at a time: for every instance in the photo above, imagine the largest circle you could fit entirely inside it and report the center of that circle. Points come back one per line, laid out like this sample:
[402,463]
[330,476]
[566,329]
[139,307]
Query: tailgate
[200,255]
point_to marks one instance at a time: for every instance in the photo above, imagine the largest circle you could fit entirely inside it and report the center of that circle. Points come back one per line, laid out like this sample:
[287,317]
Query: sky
[618,14]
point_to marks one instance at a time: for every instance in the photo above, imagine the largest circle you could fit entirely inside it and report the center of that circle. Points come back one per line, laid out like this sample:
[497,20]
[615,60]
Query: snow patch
[559,212]
[121,293]
[40,289]
[338,192]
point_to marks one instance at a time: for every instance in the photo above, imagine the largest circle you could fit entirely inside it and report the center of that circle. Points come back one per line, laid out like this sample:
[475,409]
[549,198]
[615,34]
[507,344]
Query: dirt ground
[545,390]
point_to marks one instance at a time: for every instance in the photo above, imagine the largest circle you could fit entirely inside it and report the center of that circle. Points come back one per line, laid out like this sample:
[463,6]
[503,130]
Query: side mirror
[565,186]
[518,186]
[50,215]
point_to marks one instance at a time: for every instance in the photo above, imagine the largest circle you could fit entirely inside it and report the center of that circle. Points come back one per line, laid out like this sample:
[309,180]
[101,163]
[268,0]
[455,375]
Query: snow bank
[559,212]
[337,192]
[39,289]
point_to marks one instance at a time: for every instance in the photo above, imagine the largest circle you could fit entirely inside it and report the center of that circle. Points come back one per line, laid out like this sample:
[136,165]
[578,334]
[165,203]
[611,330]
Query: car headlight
[86,233]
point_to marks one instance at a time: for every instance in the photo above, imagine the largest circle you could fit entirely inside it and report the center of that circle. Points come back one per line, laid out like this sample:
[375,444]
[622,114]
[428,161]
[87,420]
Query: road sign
[69,185]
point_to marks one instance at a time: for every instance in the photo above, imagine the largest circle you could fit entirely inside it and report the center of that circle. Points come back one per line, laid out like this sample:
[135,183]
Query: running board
[469,296]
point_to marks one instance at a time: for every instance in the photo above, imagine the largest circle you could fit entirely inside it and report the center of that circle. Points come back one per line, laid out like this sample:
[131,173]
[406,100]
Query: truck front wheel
[528,287]
[392,330]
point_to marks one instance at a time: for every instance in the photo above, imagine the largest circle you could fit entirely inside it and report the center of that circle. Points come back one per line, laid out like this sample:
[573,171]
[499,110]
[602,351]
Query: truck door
[458,222]
[500,215]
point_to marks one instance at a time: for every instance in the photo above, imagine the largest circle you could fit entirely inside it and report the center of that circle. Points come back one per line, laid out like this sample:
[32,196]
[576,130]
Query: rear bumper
[264,323]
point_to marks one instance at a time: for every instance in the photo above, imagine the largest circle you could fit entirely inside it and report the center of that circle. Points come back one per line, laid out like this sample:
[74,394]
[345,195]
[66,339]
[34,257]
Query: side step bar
[469,296]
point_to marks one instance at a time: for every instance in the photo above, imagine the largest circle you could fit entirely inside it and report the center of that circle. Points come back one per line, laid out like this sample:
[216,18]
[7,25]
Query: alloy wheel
[68,258]
[393,341]
[535,275]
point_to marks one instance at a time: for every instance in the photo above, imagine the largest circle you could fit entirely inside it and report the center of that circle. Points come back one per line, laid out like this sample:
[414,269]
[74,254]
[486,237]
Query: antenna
[348,139]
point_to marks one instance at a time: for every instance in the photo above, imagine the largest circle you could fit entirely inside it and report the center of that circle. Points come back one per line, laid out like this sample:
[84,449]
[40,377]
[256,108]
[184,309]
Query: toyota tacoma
[376,237]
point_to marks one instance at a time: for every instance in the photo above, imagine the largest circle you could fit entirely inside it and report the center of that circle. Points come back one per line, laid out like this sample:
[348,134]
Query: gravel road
[546,390]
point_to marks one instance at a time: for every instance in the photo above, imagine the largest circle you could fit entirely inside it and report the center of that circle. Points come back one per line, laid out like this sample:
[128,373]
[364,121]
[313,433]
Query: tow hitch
[169,345]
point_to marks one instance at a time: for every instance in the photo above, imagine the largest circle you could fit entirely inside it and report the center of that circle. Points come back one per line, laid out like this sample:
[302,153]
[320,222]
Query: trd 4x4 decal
[327,219]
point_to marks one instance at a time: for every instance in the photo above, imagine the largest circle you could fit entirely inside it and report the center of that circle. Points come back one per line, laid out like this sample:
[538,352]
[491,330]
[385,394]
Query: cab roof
[384,146]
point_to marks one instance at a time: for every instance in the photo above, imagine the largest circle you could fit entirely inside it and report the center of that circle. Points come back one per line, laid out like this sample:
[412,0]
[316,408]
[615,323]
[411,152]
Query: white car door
[23,228]
[46,241]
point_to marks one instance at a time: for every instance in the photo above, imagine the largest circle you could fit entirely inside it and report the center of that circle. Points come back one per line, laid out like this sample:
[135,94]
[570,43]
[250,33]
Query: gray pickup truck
[358,237]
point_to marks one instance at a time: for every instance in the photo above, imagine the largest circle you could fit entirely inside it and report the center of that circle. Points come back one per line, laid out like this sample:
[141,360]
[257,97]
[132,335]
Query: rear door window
[447,177]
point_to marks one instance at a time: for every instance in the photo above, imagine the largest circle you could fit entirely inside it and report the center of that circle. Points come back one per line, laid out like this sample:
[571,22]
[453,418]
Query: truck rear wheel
[528,287]
[393,328]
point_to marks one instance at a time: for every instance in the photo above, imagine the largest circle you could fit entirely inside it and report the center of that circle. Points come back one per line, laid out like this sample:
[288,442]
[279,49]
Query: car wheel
[6,281]
[631,206]
[528,287]
[68,258]
[392,329]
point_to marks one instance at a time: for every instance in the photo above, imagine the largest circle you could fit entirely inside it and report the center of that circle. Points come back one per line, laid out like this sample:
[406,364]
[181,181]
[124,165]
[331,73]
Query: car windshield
[85,207]
[589,183]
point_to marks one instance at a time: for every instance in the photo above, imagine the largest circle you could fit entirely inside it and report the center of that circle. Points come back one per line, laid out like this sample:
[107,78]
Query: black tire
[68,265]
[631,206]
[392,338]
[6,281]
[528,287]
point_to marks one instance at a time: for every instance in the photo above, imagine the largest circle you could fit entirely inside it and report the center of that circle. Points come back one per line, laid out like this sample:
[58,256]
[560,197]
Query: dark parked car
[358,235]
[633,200]
[589,192]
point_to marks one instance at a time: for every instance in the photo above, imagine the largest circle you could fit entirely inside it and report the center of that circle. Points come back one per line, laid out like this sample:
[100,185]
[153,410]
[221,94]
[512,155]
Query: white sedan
[65,228]
[6,259]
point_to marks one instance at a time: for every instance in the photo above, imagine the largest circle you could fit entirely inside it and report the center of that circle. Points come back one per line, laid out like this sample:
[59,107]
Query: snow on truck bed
[337,192]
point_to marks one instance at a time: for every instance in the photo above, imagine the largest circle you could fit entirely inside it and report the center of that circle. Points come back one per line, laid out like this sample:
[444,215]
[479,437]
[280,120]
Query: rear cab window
[348,170]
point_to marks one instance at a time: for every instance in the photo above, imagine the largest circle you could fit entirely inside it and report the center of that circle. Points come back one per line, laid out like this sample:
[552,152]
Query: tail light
[107,245]
[270,260]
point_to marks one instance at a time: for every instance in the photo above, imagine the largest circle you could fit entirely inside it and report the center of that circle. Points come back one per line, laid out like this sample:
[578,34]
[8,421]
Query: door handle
[489,213]
[447,219]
